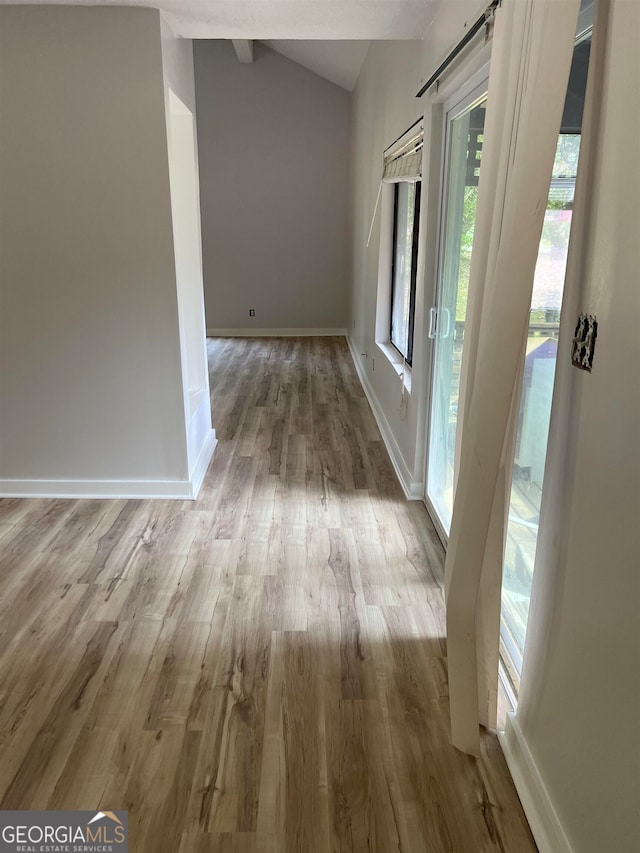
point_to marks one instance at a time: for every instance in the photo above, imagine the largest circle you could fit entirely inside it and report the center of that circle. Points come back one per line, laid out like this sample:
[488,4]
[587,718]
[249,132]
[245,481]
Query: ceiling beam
[243,49]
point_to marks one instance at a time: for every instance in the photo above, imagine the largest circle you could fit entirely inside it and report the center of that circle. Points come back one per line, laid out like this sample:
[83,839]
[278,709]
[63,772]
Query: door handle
[447,316]
[433,322]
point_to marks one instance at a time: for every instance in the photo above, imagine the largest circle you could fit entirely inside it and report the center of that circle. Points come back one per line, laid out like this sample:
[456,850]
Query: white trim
[116,489]
[97,489]
[464,76]
[435,518]
[413,490]
[202,462]
[534,796]
[395,360]
[276,333]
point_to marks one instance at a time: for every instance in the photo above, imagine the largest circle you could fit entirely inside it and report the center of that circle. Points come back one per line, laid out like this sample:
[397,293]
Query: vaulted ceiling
[337,61]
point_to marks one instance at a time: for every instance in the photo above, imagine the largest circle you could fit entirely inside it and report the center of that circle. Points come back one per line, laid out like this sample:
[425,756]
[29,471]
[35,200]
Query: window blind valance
[404,161]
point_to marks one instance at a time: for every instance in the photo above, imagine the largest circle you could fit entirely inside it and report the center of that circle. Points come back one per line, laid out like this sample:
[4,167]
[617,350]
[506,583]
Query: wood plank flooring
[262,670]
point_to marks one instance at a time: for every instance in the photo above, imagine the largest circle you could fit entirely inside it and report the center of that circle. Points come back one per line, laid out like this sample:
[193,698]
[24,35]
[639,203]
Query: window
[406,216]
[398,258]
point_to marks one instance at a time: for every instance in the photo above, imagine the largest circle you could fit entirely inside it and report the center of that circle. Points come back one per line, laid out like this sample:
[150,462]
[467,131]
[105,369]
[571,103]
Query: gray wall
[273,148]
[91,385]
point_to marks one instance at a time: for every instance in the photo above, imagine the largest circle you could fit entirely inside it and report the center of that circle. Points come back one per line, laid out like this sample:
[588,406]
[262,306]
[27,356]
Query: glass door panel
[535,402]
[463,152]
[538,379]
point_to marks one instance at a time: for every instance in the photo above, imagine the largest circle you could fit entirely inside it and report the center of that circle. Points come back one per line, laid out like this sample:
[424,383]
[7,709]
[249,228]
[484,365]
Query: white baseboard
[536,802]
[116,489]
[276,333]
[98,489]
[184,490]
[412,489]
[202,463]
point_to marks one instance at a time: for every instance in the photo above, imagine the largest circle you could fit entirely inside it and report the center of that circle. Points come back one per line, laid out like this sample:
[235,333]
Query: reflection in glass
[535,403]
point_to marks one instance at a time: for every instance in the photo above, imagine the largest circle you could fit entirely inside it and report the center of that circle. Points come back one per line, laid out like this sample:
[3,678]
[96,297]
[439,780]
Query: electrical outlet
[252,312]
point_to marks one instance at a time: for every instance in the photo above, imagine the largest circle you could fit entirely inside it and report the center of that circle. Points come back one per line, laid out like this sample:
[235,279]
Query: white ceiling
[283,19]
[327,31]
[297,19]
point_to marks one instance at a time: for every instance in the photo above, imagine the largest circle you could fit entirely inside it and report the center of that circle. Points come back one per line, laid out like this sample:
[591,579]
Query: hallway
[261,670]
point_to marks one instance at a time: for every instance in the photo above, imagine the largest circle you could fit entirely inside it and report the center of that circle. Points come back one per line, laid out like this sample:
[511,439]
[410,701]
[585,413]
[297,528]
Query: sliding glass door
[464,127]
[538,378]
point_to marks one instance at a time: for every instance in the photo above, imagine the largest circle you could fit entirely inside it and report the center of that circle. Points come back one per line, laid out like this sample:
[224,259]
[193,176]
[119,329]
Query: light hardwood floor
[261,670]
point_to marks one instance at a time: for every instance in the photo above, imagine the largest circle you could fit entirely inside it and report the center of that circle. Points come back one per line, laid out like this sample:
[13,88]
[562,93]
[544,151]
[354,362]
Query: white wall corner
[413,489]
[201,465]
[535,798]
